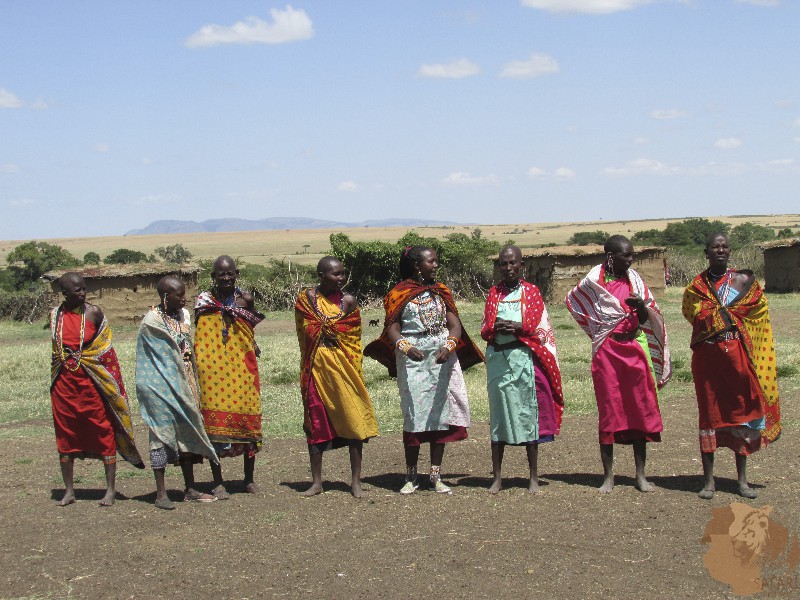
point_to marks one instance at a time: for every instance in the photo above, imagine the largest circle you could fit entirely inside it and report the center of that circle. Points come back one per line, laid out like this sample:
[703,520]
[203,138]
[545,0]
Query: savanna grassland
[307,246]
[568,541]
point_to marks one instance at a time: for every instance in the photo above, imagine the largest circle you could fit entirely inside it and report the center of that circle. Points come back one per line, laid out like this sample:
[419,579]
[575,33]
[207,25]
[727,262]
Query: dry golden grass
[260,246]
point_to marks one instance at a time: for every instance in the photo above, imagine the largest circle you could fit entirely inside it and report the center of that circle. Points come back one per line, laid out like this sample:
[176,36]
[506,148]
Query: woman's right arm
[394,335]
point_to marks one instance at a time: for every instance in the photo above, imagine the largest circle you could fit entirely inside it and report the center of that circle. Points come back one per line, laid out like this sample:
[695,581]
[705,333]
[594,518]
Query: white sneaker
[441,488]
[409,488]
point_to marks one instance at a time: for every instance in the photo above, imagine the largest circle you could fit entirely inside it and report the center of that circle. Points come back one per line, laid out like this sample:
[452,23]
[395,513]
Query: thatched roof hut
[126,292]
[557,269]
[782,265]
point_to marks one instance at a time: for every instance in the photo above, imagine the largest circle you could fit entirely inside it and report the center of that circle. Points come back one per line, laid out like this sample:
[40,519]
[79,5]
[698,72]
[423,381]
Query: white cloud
[288,25]
[535,66]
[40,104]
[640,166]
[147,161]
[9,168]
[462,178]
[9,100]
[537,173]
[727,143]
[101,147]
[457,69]
[797,139]
[797,122]
[641,140]
[595,7]
[669,113]
[348,186]
[760,2]
[21,202]
[649,166]
[564,173]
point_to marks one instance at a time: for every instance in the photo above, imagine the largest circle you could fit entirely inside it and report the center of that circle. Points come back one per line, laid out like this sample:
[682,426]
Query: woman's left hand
[442,354]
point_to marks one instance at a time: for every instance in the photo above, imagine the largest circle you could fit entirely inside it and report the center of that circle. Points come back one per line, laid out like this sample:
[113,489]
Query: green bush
[585,238]
[29,261]
[124,256]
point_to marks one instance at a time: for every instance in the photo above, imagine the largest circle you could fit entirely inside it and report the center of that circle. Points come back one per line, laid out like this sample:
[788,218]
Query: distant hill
[212,225]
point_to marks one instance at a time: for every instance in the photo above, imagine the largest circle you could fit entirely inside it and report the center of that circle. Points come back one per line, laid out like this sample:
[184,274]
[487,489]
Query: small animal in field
[373,322]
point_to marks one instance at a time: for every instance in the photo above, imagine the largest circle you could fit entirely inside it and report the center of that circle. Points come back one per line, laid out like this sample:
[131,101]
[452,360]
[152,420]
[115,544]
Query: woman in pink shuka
[630,357]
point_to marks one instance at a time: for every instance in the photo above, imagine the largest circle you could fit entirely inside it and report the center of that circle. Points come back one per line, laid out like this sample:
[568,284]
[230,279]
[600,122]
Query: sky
[117,114]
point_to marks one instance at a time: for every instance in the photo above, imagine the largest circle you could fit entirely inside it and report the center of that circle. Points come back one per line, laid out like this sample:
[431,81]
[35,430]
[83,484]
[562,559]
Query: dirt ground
[569,541]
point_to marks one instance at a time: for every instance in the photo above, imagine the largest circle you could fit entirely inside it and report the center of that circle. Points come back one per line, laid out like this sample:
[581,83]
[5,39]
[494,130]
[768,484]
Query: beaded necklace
[432,312]
[69,358]
[176,326]
[320,313]
[725,288]
[228,302]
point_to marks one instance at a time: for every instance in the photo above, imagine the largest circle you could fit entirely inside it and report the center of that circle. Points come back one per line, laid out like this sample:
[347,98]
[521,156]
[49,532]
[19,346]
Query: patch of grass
[682,375]
[786,371]
[563,327]
[274,516]
[23,461]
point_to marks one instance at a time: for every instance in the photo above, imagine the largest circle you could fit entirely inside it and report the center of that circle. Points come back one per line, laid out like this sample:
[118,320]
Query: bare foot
[496,486]
[747,492]
[69,498]
[707,493]
[220,492]
[108,499]
[644,486]
[250,488]
[533,487]
[315,489]
[607,487]
[356,489]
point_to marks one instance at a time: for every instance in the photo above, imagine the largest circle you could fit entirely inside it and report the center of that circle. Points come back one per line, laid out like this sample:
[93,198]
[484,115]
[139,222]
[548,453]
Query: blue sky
[116,114]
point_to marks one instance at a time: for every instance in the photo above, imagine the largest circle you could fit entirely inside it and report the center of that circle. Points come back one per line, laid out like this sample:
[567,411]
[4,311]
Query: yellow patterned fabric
[749,315]
[330,347]
[227,371]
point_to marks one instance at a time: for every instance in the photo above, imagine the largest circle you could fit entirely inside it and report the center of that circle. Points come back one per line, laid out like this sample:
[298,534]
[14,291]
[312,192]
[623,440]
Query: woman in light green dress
[523,379]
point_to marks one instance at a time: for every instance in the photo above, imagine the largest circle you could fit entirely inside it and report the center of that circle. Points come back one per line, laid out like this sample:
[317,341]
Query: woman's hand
[415,353]
[442,354]
[636,302]
[507,327]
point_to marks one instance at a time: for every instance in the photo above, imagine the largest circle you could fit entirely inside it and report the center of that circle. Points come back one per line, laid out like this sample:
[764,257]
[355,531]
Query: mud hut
[126,292]
[782,265]
[556,270]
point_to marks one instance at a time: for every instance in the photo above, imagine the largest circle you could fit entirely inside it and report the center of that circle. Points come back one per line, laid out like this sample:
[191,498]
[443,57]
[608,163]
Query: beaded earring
[164,302]
[610,265]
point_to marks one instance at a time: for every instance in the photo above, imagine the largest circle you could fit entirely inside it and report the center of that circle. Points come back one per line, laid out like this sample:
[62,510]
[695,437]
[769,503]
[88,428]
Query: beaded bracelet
[403,345]
[451,343]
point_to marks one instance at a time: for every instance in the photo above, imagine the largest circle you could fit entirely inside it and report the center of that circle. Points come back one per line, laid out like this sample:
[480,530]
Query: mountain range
[213,225]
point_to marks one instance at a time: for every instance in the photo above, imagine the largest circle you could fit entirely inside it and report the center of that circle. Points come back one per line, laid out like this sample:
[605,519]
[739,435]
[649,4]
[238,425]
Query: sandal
[220,493]
[195,496]
[165,504]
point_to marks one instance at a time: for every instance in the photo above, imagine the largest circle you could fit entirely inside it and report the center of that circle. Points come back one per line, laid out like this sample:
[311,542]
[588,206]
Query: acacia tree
[176,253]
[124,256]
[29,261]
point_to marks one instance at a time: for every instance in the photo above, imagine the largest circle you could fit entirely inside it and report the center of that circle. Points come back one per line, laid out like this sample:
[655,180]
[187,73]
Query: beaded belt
[723,337]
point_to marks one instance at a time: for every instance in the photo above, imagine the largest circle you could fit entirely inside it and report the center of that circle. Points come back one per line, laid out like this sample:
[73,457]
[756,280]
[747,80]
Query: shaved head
[326,263]
[168,283]
[223,261]
[70,279]
[511,249]
[616,243]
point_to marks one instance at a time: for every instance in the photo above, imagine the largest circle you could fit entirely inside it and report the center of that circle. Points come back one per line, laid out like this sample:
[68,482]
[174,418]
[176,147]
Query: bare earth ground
[569,541]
